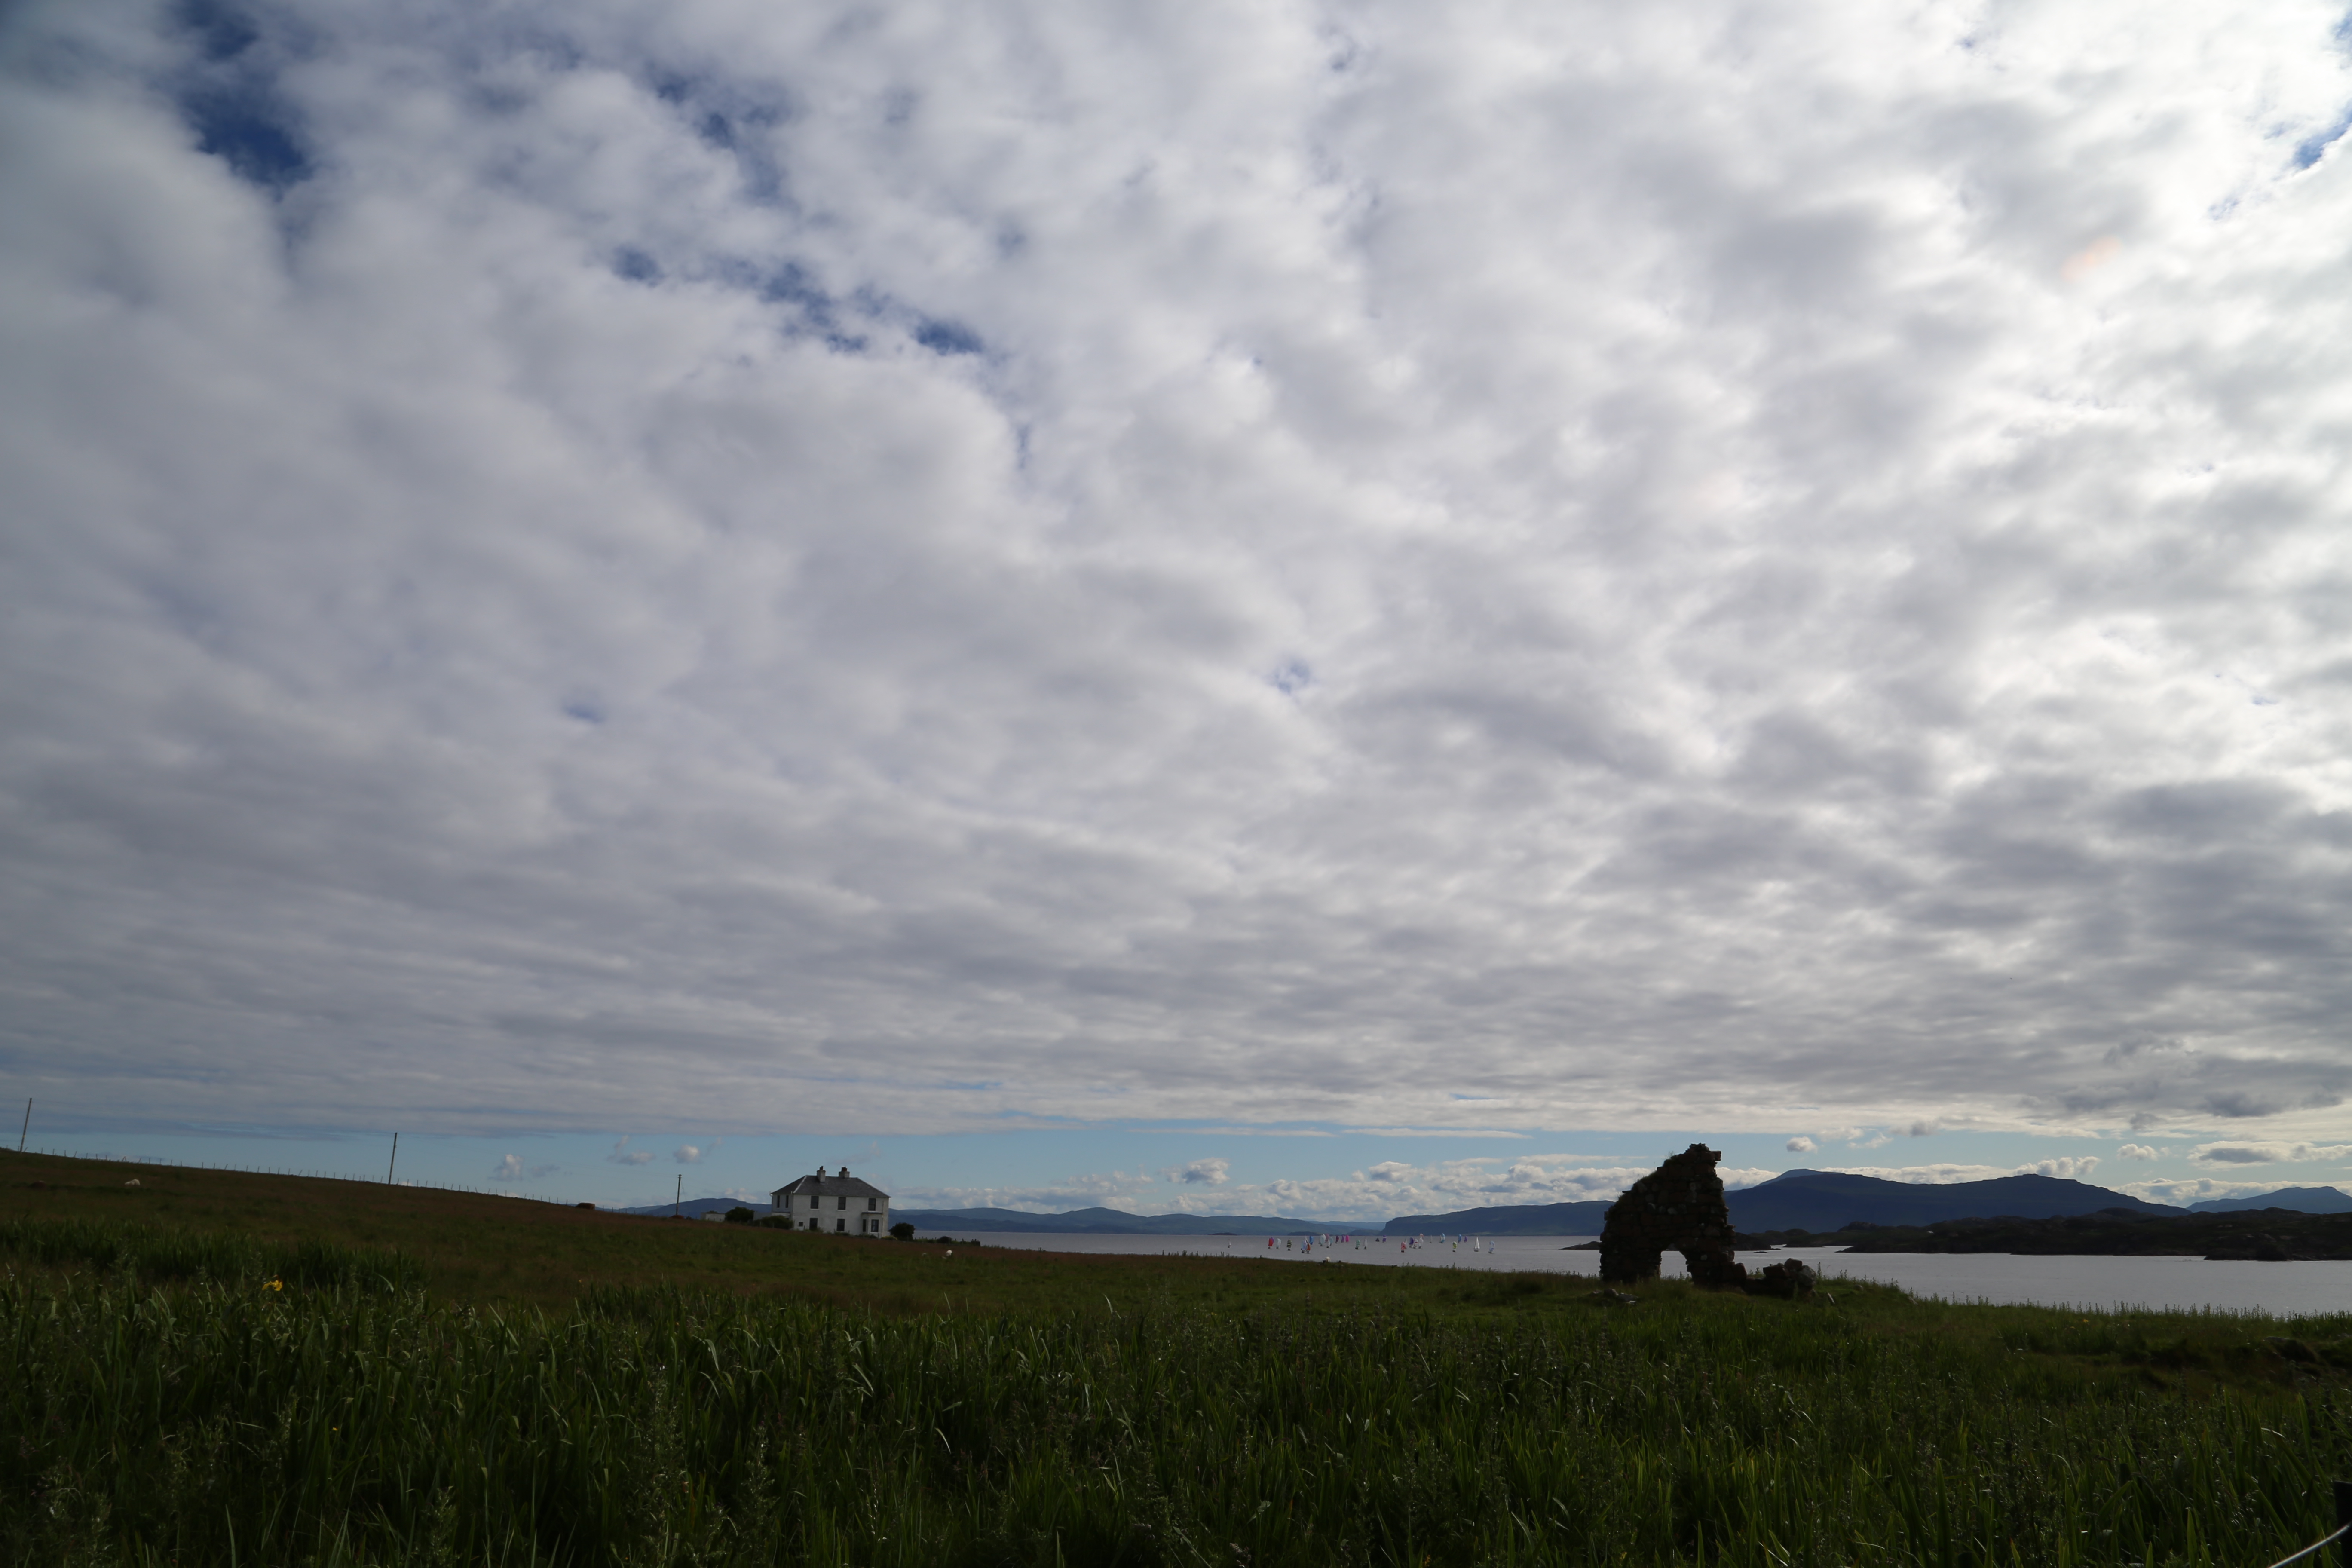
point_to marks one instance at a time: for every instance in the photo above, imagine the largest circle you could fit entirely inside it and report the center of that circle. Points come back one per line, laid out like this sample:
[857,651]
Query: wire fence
[2343,1529]
[159,1162]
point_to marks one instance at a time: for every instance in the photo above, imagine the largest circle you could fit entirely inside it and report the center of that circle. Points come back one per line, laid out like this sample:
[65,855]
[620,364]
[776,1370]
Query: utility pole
[28,1124]
[672,1202]
[393,1161]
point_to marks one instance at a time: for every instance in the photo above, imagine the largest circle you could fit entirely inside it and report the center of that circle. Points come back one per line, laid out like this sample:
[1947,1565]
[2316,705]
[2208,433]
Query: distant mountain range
[1797,1200]
[1814,1201]
[1829,1200]
[1116,1222]
[693,1208]
[2302,1200]
[1510,1219]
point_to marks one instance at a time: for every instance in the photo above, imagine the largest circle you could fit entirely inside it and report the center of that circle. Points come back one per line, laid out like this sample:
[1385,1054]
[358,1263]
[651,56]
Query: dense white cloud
[2140,1152]
[1211,1173]
[1801,1145]
[1518,566]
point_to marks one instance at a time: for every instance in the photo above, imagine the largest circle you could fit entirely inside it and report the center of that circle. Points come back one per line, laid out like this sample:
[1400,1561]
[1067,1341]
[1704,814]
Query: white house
[841,1206]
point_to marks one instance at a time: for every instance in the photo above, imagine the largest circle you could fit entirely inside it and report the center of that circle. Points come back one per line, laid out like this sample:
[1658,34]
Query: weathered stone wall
[1678,1205]
[1792,1279]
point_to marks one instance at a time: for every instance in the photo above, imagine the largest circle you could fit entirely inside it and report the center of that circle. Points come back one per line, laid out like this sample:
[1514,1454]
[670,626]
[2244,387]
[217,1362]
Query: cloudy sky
[1041,594]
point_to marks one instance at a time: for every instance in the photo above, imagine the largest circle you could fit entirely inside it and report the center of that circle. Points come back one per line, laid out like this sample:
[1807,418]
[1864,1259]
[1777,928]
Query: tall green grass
[219,1420]
[156,1253]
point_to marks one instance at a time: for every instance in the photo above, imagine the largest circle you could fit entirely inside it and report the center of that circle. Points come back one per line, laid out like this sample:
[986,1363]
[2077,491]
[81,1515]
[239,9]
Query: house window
[840,1226]
[840,1204]
[869,1205]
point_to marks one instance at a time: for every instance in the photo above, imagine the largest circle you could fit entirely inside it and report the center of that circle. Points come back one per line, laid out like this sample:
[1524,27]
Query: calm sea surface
[2189,1283]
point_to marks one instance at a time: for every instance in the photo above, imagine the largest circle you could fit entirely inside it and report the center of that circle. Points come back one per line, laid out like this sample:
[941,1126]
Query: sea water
[2180,1284]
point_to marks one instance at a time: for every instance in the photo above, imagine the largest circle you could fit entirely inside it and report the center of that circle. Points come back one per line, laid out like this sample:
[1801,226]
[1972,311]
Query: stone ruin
[1793,1279]
[1678,1205]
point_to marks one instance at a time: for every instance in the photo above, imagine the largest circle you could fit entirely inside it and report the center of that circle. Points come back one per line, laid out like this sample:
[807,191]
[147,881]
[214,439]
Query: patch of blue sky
[222,32]
[948,338]
[636,266]
[729,120]
[755,160]
[247,127]
[794,284]
[814,312]
[231,101]
[822,313]
[2313,148]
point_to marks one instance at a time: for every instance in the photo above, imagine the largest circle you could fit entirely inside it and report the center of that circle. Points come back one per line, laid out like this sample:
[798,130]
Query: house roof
[825,1186]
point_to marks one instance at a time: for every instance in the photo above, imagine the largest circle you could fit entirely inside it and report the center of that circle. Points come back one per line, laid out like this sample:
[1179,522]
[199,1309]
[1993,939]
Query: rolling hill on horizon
[2302,1200]
[1579,1218]
[1830,1200]
[1116,1222]
[1815,1201]
[1796,1200]
[1074,1222]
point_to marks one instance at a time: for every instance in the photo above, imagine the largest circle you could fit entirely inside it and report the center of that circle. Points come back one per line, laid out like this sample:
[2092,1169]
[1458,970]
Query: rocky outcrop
[1678,1206]
[1792,1279]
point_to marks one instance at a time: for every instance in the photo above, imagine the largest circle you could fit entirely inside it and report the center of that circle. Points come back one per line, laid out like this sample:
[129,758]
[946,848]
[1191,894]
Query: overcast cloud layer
[912,567]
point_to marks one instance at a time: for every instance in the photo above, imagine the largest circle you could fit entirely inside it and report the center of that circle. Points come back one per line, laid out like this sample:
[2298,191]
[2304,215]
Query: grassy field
[218,1368]
[484,1251]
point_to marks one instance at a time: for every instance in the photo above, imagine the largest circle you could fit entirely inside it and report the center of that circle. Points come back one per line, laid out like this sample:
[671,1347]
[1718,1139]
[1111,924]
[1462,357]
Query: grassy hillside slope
[212,1368]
